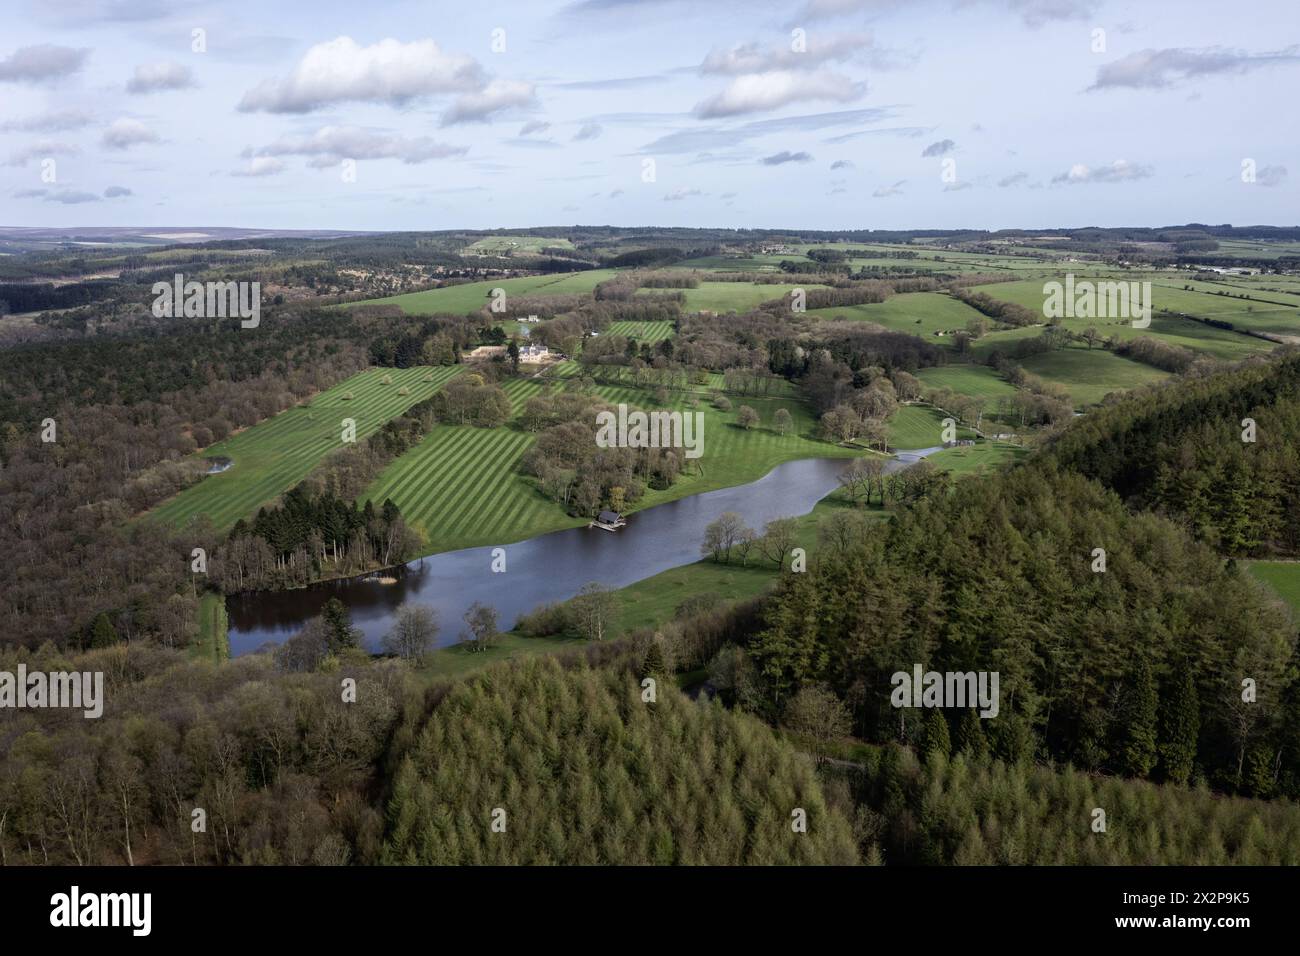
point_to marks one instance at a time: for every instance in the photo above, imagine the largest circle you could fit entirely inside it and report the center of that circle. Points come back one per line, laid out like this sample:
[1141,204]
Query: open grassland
[1283,577]
[916,313]
[469,297]
[1090,374]
[1178,304]
[274,455]
[642,331]
[977,381]
[919,426]
[732,296]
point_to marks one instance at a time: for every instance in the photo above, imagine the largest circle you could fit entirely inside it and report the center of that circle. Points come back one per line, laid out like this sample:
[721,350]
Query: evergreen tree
[338,626]
[102,632]
[934,735]
[1181,727]
[1142,704]
[970,734]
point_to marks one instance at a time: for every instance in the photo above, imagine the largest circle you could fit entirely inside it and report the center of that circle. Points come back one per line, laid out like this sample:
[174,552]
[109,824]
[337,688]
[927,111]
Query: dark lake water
[550,567]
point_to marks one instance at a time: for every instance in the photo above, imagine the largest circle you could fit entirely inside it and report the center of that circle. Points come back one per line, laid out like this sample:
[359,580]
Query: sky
[814,114]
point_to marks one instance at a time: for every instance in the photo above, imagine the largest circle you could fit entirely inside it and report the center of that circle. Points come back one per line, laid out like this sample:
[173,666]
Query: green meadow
[1090,374]
[1283,577]
[731,296]
[977,381]
[469,297]
[274,455]
[916,313]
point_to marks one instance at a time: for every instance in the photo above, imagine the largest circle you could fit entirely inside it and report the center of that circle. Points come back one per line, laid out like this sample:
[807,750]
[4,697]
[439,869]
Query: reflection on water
[550,567]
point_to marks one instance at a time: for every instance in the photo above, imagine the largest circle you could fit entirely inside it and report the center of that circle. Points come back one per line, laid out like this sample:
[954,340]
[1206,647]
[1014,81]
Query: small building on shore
[608,521]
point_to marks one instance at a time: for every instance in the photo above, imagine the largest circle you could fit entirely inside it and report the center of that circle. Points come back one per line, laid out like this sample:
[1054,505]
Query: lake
[547,568]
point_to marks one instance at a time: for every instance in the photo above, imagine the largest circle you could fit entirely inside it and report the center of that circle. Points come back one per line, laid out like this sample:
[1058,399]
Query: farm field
[977,381]
[1247,313]
[1283,577]
[1090,374]
[469,297]
[732,296]
[916,313]
[274,455]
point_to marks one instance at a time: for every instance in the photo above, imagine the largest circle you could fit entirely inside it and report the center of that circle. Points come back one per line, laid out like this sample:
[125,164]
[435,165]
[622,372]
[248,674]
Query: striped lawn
[461,487]
[273,456]
[642,331]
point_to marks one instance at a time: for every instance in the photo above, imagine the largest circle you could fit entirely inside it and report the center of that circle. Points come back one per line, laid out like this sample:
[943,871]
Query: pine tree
[934,735]
[970,734]
[653,663]
[102,632]
[1138,751]
[338,625]
[1181,728]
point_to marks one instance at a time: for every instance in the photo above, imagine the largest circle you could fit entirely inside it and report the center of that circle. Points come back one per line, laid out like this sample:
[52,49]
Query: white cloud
[1156,69]
[125,133]
[330,144]
[117,192]
[755,92]
[496,96]
[342,70]
[261,166]
[40,150]
[680,193]
[587,132]
[60,121]
[42,63]
[156,77]
[1120,171]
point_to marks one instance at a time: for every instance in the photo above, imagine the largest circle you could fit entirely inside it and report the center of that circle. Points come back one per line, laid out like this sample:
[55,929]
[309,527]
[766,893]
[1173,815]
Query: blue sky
[830,114]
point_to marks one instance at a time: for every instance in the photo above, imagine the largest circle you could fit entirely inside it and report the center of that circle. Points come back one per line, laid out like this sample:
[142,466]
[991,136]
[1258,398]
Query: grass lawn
[469,297]
[642,331]
[274,455]
[213,643]
[916,313]
[919,426]
[1283,577]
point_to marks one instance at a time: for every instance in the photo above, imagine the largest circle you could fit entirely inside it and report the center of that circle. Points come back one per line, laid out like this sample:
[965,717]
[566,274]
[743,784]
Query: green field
[469,297]
[977,381]
[731,296]
[642,331]
[1283,577]
[461,486]
[274,455]
[916,313]
[1090,374]
[919,426]
[1170,326]
[517,245]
